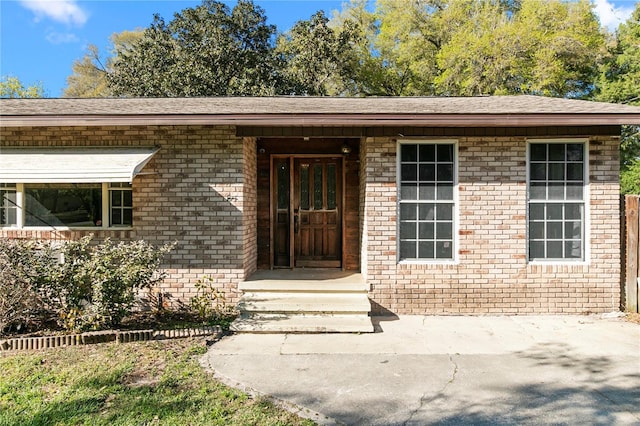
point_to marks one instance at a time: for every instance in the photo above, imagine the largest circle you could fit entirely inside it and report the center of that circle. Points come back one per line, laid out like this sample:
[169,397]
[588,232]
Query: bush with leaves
[74,283]
[117,273]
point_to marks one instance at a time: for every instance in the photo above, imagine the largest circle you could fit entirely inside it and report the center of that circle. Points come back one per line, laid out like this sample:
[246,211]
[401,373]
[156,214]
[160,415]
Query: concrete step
[302,286]
[305,302]
[274,323]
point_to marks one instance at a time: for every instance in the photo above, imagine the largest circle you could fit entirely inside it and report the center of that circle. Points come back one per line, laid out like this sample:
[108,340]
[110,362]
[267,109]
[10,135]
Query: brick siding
[492,275]
[198,191]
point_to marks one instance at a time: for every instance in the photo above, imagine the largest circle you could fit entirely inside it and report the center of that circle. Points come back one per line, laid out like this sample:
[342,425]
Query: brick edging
[92,337]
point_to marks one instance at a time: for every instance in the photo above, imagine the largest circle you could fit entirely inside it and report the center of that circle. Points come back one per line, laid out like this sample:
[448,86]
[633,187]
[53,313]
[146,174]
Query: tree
[89,78]
[208,50]
[620,82]
[318,60]
[12,87]
[549,48]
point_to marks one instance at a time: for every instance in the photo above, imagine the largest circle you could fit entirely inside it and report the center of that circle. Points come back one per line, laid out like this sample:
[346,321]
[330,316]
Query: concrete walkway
[447,370]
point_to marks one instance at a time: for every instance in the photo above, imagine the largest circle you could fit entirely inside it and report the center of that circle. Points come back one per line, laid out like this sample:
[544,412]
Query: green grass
[144,383]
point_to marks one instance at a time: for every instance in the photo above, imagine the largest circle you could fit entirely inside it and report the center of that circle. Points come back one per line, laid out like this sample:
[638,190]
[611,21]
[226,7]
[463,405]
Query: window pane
[443,231]
[127,218]
[556,191]
[538,152]
[116,198]
[572,230]
[445,191]
[445,173]
[554,212]
[444,250]
[304,187]
[408,191]
[536,230]
[538,171]
[407,230]
[427,172]
[427,211]
[427,153]
[574,191]
[556,152]
[556,171]
[283,186]
[444,212]
[409,153]
[408,211]
[426,250]
[116,217]
[445,153]
[409,172]
[426,231]
[427,191]
[407,249]
[554,250]
[536,250]
[554,230]
[12,218]
[536,211]
[318,202]
[331,186]
[572,211]
[574,171]
[538,191]
[573,249]
[63,205]
[127,198]
[575,152]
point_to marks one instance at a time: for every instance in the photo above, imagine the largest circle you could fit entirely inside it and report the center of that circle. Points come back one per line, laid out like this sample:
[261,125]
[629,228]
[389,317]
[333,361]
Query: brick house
[487,205]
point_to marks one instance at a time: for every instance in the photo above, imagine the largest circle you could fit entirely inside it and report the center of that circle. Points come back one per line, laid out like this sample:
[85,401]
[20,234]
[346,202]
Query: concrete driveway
[447,370]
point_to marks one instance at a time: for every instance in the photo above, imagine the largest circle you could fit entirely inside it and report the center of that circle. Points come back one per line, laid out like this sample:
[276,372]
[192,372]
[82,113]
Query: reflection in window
[304,186]
[74,205]
[317,186]
[331,186]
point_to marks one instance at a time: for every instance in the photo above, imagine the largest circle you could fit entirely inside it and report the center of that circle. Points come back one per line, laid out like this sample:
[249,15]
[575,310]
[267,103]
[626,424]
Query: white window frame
[455,200]
[585,201]
[106,212]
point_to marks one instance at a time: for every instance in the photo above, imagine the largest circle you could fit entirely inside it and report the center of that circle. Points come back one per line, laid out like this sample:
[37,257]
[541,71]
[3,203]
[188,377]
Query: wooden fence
[631,253]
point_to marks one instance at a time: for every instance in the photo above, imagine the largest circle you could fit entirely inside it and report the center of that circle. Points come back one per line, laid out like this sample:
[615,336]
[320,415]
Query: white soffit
[72,165]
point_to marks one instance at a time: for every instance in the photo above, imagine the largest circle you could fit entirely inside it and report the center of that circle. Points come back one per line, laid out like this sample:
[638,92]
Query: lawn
[143,383]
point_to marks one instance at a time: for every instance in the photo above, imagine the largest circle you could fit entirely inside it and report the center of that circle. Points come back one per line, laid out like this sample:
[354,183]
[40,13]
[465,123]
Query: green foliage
[208,50]
[620,82]
[620,74]
[549,48]
[318,58]
[12,87]
[94,286]
[209,305]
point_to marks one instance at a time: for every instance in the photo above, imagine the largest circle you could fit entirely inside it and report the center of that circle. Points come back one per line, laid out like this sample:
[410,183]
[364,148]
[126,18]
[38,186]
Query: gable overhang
[326,120]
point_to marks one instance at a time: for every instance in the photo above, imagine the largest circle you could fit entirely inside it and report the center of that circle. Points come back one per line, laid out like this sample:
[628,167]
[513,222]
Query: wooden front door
[308,211]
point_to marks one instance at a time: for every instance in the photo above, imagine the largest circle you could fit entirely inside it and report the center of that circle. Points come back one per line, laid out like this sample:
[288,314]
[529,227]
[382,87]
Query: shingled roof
[318,111]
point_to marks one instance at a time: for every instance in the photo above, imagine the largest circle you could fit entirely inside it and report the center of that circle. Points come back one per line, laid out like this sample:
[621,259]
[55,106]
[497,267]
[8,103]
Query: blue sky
[40,39]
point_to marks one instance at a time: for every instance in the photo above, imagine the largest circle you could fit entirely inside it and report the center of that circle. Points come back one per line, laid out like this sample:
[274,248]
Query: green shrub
[74,283]
[117,272]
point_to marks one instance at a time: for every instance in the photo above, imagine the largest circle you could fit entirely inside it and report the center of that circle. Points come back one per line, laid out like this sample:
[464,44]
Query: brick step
[282,323]
[305,302]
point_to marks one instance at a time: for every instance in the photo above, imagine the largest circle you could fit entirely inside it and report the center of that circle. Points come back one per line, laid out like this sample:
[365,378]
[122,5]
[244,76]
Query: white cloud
[61,38]
[64,11]
[610,15]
